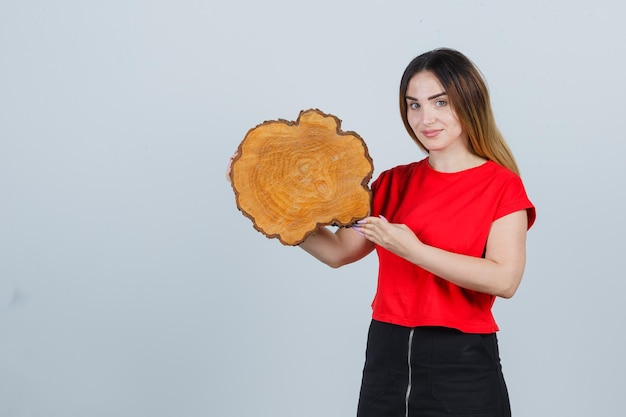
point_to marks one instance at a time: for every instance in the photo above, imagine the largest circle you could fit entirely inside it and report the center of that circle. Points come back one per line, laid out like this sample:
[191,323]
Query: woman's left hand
[396,238]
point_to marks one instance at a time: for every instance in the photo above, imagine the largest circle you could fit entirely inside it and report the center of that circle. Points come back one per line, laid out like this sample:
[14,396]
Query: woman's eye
[440,103]
[414,105]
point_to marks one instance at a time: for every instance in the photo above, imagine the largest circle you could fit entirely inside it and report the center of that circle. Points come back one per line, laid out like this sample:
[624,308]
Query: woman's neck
[445,162]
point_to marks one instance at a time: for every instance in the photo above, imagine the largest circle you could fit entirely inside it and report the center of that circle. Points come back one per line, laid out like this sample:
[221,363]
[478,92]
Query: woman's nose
[428,115]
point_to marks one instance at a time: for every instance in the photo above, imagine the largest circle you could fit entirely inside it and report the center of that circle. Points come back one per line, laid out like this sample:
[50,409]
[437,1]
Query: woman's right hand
[230,164]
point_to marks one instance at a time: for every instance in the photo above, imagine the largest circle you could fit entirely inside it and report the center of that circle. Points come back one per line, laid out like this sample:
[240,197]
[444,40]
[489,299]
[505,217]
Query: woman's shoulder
[494,170]
[499,168]
[403,170]
[397,176]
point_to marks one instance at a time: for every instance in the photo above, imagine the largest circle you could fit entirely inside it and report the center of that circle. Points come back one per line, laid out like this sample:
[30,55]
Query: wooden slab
[291,177]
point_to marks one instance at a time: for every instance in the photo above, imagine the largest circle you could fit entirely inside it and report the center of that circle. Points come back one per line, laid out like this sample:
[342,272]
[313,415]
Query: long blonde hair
[469,98]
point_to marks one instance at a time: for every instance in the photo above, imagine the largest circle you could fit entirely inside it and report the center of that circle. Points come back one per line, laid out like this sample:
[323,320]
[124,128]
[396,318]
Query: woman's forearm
[338,248]
[478,274]
[498,273]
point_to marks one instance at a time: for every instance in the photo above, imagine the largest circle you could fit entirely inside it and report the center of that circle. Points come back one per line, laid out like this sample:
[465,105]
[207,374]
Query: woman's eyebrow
[437,95]
[429,98]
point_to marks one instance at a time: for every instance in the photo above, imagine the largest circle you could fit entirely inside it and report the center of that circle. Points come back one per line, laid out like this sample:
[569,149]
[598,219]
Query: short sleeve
[514,198]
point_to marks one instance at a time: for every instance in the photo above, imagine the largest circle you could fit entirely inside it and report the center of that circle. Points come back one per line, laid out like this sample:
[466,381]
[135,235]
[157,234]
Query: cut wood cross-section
[290,178]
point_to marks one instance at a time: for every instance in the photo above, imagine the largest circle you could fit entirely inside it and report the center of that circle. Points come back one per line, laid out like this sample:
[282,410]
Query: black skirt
[431,372]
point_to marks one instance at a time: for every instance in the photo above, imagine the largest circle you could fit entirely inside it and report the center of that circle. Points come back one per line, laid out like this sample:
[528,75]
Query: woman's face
[431,116]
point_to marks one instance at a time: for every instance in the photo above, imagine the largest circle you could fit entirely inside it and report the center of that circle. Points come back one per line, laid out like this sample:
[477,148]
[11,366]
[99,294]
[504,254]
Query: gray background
[130,284]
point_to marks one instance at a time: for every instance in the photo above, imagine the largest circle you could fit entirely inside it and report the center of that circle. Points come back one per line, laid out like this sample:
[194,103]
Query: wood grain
[290,178]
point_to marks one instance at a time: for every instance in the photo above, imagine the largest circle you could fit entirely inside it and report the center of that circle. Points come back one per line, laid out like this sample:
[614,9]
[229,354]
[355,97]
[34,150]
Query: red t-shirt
[451,211]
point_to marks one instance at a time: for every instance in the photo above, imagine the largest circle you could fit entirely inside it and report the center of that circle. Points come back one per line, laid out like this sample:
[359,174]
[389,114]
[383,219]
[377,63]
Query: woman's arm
[337,249]
[499,273]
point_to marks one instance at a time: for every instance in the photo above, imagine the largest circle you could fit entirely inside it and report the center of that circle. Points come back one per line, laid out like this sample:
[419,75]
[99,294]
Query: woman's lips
[431,133]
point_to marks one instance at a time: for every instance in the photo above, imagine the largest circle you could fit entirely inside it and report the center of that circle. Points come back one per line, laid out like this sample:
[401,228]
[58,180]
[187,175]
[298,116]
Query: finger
[228,170]
[230,166]
[359,231]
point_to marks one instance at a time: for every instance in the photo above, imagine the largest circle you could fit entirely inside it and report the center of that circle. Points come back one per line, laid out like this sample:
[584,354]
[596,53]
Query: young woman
[450,234]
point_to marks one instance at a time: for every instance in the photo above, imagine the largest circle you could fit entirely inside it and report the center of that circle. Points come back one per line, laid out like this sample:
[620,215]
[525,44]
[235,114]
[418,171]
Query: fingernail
[383,217]
[361,222]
